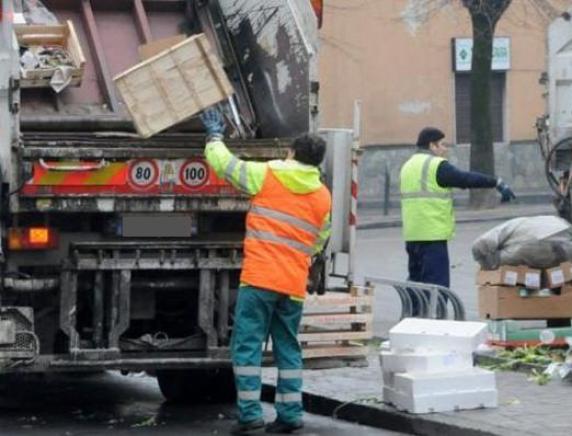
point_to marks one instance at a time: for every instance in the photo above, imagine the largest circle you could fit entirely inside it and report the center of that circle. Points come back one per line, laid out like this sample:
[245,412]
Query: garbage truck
[124,253]
[554,127]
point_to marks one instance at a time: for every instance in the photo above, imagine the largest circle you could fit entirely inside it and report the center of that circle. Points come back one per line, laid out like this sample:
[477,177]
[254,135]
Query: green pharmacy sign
[463,54]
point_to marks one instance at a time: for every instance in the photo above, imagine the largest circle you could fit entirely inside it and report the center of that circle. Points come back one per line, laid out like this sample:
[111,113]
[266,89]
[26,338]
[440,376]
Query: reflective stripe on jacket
[426,208]
[249,176]
[282,228]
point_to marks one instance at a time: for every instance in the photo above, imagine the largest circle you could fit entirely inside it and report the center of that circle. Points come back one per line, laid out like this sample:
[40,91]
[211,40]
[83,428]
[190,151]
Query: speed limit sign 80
[143,173]
[194,174]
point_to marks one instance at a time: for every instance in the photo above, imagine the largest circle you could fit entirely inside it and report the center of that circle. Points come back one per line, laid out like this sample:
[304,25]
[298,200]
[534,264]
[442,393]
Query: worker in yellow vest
[427,179]
[288,222]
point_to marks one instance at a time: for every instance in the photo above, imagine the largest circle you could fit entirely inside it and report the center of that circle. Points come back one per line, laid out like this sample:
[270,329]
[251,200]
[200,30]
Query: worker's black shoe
[281,427]
[246,428]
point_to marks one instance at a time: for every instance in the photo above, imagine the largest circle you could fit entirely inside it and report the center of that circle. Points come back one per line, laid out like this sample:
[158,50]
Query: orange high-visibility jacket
[288,222]
[282,228]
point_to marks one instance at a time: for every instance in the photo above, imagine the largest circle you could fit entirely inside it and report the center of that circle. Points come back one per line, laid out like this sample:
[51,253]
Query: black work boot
[281,427]
[246,428]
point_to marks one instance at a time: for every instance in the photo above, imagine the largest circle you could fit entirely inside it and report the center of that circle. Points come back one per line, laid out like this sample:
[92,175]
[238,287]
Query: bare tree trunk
[484,16]
[482,152]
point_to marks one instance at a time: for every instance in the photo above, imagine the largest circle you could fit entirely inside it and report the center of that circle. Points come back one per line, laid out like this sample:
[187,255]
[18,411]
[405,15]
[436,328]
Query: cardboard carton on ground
[530,278]
[437,335]
[424,362]
[504,276]
[567,270]
[558,276]
[508,275]
[503,302]
[440,402]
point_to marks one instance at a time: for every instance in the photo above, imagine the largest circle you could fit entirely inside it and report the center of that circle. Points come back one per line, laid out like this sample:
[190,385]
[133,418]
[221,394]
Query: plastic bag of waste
[538,242]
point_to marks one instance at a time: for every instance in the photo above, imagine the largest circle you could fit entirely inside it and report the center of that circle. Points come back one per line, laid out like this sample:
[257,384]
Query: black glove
[316,277]
[505,191]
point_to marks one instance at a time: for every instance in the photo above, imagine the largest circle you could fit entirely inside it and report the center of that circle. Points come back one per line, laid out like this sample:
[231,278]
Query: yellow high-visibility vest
[426,208]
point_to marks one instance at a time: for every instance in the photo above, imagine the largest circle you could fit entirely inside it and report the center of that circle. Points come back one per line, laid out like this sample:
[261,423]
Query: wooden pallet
[337,324]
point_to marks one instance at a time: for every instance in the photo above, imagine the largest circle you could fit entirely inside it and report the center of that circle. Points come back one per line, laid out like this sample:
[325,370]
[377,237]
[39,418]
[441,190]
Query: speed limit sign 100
[143,173]
[194,174]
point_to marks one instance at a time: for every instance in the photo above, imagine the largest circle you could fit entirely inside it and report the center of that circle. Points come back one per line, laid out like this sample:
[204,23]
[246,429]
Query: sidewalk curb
[391,419]
[396,222]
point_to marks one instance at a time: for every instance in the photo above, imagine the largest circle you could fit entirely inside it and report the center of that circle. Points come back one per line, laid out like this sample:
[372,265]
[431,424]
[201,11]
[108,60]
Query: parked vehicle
[125,253]
[555,126]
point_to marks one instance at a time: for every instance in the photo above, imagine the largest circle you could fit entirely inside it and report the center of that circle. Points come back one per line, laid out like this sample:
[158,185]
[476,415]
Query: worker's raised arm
[245,176]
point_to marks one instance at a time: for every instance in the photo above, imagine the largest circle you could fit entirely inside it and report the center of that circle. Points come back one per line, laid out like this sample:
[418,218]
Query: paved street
[381,252]
[70,406]
[109,403]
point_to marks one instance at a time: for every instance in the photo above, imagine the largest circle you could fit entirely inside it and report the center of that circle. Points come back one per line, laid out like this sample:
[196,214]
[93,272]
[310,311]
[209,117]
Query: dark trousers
[428,263]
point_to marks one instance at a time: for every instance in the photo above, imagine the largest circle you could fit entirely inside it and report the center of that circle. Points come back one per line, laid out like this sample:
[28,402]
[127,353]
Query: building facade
[409,63]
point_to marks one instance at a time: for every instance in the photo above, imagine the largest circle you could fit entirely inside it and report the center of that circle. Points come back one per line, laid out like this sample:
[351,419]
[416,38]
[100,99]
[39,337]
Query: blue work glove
[505,191]
[214,124]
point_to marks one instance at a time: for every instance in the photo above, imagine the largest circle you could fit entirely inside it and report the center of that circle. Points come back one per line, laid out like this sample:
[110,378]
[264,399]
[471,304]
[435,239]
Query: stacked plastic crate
[428,367]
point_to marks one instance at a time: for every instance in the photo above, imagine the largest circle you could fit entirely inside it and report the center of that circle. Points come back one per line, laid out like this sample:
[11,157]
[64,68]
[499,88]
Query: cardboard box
[530,278]
[503,302]
[505,276]
[174,85]
[567,270]
[558,276]
[508,275]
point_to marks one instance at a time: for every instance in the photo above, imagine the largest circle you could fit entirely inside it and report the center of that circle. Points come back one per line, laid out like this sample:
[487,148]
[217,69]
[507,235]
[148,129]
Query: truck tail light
[318,6]
[32,238]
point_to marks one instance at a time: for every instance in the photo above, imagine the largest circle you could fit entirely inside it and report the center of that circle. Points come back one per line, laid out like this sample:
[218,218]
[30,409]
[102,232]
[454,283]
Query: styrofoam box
[442,335]
[441,402]
[389,394]
[420,384]
[424,361]
[388,378]
[385,345]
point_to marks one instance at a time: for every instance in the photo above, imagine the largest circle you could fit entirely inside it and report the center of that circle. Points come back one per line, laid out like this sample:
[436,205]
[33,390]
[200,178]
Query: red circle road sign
[194,174]
[143,173]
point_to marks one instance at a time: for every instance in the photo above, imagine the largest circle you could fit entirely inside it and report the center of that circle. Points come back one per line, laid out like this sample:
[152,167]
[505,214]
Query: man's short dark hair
[309,149]
[429,135]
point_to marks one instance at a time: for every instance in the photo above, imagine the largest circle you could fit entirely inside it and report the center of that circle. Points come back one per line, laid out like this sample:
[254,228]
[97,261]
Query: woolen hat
[429,135]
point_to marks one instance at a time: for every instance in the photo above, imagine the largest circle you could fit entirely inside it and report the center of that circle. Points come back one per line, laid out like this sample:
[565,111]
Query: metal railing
[423,300]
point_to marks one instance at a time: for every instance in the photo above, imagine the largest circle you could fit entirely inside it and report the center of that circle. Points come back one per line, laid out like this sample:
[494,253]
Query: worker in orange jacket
[288,222]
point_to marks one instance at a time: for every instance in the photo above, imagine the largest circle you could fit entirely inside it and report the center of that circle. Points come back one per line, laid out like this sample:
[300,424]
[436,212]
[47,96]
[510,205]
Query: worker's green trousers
[260,313]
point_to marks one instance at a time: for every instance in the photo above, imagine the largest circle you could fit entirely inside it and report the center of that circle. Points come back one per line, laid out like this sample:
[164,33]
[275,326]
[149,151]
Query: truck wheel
[197,385]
